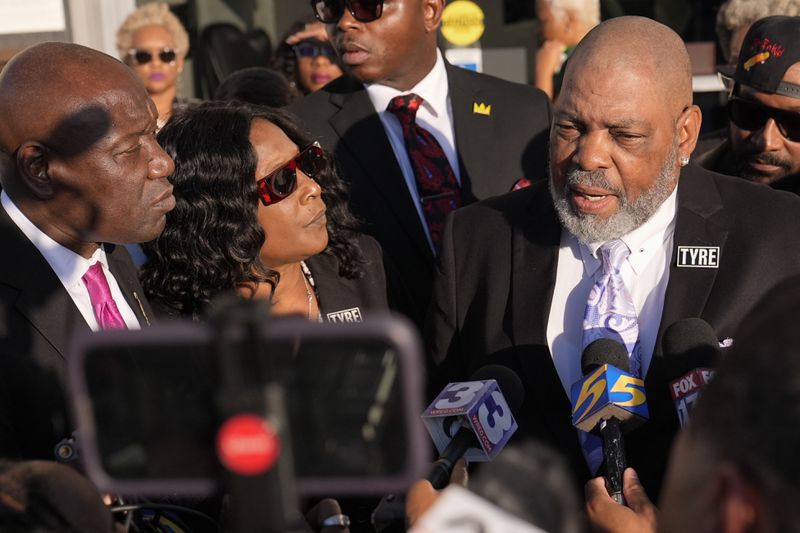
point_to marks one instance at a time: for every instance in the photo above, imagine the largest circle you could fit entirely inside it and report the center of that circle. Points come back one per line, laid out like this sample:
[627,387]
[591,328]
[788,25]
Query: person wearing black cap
[763,144]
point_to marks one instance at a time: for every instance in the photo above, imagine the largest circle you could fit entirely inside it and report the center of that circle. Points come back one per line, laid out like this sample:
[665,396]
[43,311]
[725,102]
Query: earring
[684,160]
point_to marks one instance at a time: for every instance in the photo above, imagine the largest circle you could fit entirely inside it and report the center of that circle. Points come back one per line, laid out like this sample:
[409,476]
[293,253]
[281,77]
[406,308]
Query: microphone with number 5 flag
[691,350]
[606,401]
[473,419]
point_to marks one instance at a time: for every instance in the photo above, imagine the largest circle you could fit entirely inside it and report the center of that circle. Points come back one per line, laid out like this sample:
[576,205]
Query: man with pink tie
[81,173]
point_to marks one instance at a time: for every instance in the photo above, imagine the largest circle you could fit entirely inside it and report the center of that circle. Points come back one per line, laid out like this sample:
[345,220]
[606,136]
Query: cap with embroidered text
[771,46]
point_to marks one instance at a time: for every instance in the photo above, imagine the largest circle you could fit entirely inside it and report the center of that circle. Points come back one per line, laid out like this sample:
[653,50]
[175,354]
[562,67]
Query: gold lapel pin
[481,108]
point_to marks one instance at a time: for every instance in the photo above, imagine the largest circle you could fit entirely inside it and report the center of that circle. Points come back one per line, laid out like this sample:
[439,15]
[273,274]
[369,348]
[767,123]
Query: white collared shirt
[434,115]
[70,267]
[645,273]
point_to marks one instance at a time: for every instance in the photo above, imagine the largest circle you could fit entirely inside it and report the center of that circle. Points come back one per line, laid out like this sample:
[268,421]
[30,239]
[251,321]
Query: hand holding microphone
[605,514]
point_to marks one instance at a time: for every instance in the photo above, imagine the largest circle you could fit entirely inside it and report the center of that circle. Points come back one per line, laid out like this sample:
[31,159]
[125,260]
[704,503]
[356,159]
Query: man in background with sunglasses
[763,143]
[416,137]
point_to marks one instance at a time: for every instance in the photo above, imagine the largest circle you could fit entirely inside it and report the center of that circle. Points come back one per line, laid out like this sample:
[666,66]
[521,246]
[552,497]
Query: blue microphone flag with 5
[608,392]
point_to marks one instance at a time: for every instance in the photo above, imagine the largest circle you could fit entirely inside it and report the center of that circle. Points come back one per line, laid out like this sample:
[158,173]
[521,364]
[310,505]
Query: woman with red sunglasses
[154,43]
[260,211]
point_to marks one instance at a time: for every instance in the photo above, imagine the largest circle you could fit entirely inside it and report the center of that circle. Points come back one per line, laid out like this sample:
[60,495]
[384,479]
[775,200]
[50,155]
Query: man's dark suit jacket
[37,319]
[496,278]
[494,151]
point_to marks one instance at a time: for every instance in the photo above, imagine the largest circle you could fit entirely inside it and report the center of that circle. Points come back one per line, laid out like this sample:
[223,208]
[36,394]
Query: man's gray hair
[587,10]
[735,14]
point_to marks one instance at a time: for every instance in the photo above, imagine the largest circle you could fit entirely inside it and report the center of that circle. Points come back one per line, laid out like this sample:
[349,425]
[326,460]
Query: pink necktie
[105,309]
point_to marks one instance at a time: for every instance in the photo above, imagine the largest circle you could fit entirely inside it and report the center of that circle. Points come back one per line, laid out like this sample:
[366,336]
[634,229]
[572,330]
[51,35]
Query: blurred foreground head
[526,489]
[45,497]
[532,482]
[737,467]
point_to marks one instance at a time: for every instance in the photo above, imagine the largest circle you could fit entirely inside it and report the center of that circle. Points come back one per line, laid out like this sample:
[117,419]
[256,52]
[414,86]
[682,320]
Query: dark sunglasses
[310,49]
[142,57]
[283,181]
[752,116]
[330,11]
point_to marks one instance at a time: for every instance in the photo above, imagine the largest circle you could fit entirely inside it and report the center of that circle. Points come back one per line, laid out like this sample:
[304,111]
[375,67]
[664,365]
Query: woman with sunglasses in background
[306,58]
[261,211]
[154,43]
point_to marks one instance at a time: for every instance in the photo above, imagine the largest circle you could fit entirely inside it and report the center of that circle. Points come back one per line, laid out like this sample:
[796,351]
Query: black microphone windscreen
[689,343]
[604,351]
[509,382]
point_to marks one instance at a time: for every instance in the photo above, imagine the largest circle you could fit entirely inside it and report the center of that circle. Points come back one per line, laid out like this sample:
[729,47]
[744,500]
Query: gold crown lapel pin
[480,108]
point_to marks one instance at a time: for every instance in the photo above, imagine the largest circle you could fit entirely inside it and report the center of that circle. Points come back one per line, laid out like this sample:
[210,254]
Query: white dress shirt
[645,273]
[70,268]
[434,115]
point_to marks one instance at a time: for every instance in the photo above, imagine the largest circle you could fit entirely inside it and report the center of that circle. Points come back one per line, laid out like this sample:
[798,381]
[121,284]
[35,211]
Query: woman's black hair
[284,59]
[257,85]
[212,240]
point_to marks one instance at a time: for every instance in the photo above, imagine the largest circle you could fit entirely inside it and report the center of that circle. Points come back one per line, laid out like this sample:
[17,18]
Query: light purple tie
[610,314]
[105,309]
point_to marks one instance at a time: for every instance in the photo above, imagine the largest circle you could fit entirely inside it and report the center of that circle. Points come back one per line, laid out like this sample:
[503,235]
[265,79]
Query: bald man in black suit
[81,173]
[516,272]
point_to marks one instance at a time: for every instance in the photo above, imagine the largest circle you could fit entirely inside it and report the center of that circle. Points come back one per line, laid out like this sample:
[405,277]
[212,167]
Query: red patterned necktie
[104,306]
[437,185]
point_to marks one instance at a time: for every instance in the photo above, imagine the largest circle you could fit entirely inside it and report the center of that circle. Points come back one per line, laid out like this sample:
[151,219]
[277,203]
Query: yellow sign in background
[462,22]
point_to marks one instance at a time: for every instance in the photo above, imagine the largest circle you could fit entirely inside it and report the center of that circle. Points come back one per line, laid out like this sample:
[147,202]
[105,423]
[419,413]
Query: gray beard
[629,216]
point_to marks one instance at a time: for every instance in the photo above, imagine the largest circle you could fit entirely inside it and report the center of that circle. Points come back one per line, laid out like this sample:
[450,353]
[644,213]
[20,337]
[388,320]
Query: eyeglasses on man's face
[751,115]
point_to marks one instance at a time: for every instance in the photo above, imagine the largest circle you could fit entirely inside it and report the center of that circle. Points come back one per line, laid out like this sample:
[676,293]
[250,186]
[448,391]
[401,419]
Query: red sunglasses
[283,181]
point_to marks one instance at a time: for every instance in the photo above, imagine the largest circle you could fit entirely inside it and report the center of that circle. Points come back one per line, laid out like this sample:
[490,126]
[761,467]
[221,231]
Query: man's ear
[738,503]
[33,168]
[689,130]
[432,13]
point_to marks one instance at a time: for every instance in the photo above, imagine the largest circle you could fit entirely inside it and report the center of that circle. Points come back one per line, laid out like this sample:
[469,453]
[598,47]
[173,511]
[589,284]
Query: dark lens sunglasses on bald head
[330,11]
[314,49]
[752,116]
[282,182]
[142,57]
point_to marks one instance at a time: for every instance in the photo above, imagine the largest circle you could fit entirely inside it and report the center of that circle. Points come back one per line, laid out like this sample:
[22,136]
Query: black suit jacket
[346,300]
[494,152]
[495,284]
[37,319]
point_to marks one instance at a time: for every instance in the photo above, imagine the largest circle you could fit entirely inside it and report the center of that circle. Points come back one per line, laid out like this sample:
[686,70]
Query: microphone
[473,419]
[691,350]
[608,401]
